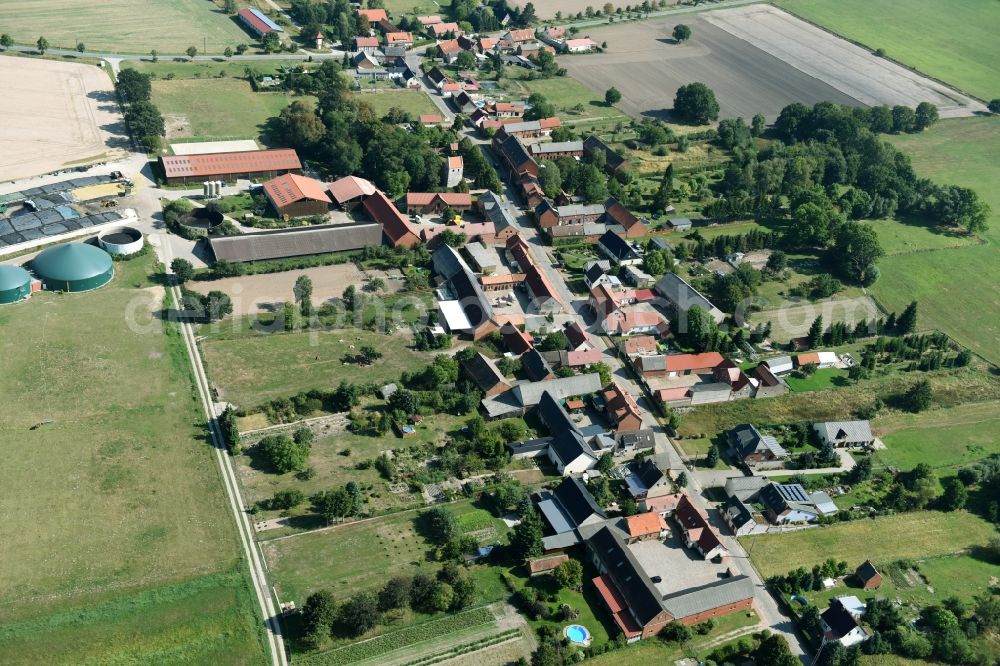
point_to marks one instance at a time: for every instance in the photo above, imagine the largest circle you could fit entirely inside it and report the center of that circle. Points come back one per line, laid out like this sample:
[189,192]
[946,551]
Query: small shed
[868,576]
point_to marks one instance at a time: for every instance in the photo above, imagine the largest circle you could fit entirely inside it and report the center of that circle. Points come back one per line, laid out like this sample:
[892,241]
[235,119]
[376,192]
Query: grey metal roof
[846,431]
[779,363]
[580,209]
[608,544]
[297,242]
[462,280]
[577,501]
[676,290]
[745,487]
[496,211]
[714,595]
[529,394]
[557,147]
[561,540]
[559,521]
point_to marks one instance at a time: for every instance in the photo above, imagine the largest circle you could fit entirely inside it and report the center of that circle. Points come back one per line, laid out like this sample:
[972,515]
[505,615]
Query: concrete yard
[56,114]
[679,568]
[757,59]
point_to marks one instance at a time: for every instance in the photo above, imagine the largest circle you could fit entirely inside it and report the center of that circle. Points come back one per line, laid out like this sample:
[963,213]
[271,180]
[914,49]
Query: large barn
[257,23]
[297,196]
[251,164]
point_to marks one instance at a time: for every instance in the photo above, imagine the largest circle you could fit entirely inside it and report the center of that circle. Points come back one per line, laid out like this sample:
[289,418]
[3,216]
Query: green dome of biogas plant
[73,267]
[15,284]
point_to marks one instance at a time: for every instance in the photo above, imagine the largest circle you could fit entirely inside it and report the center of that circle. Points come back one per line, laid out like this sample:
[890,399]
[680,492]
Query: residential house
[529,129]
[639,344]
[493,208]
[697,532]
[745,488]
[868,576]
[749,445]
[431,120]
[634,322]
[549,216]
[846,434]
[518,36]
[840,626]
[505,109]
[439,30]
[581,45]
[577,338]
[647,481]
[779,365]
[557,149]
[634,440]
[769,385]
[424,203]
[487,44]
[665,505]
[614,161]
[739,384]
[404,39]
[740,518]
[605,300]
[536,367]
[526,395]
[571,454]
[428,21]
[618,250]
[545,298]
[385,26]
[621,408]
[437,77]
[594,271]
[646,527]
[515,156]
[397,229]
[637,277]
[485,374]
[449,50]
[682,297]
[365,44]
[787,503]
[823,359]
[554,36]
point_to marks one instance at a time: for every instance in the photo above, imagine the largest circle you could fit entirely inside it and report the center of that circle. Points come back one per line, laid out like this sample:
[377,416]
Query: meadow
[575,104]
[918,534]
[216,108]
[124,26]
[413,102]
[121,527]
[251,368]
[944,438]
[951,41]
[958,290]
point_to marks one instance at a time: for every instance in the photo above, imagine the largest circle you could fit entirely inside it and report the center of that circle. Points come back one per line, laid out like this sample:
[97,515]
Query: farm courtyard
[757,59]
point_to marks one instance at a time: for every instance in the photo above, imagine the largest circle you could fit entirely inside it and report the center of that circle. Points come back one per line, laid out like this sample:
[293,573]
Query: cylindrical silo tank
[15,284]
[73,267]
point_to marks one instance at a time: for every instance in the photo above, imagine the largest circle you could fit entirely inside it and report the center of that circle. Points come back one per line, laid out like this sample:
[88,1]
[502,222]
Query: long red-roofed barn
[397,229]
[251,164]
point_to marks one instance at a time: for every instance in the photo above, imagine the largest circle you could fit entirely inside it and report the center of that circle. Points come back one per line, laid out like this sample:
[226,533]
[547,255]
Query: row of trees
[144,120]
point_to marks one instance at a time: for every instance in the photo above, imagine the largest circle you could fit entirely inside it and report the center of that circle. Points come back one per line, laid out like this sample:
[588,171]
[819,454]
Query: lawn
[413,102]
[945,438]
[915,235]
[884,539]
[251,368]
[821,380]
[118,498]
[215,108]
[950,389]
[123,26]
[360,556]
[568,96]
[951,41]
[958,290]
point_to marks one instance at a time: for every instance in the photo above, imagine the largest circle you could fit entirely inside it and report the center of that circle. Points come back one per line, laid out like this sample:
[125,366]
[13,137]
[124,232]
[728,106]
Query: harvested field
[253,294]
[757,59]
[55,114]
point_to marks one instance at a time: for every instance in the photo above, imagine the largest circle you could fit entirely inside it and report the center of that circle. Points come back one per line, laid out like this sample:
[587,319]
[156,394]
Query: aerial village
[531,376]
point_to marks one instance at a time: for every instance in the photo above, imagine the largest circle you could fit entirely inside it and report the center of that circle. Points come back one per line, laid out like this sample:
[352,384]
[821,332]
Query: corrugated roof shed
[296,242]
[214,164]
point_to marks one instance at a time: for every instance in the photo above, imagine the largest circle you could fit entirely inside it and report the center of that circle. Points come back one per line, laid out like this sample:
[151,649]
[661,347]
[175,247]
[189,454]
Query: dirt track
[757,59]
[55,114]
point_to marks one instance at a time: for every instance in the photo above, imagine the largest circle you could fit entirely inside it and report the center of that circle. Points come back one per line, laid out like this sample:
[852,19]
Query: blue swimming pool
[577,634]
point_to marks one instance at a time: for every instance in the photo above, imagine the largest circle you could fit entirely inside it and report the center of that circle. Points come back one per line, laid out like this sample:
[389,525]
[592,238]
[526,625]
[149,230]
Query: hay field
[123,26]
[115,522]
[55,114]
[951,41]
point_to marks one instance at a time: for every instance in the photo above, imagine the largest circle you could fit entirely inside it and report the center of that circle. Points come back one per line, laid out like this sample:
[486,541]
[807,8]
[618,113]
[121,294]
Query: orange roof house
[645,526]
[374,15]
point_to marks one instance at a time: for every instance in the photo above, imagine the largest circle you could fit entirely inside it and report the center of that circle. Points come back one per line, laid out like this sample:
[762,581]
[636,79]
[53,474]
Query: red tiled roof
[429,20]
[806,359]
[645,523]
[640,343]
[517,341]
[374,15]
[619,608]
[549,123]
[458,199]
[351,187]
[522,35]
[585,41]
[450,46]
[663,503]
[543,564]
[290,188]
[444,28]
[431,119]
[254,21]
[455,162]
[215,164]
[360,42]
[575,359]
[393,37]
[684,362]
[395,225]
[644,295]
[669,394]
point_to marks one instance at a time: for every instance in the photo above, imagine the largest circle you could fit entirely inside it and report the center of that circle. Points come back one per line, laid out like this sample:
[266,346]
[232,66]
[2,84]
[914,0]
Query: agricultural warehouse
[281,243]
[252,164]
[257,23]
[73,267]
[15,284]
[297,196]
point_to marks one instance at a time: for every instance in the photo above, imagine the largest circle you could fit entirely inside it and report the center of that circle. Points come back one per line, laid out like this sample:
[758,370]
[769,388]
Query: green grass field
[951,41]
[918,534]
[950,389]
[358,556]
[944,438]
[413,102]
[124,26]
[118,498]
[959,289]
[566,94]
[253,368]
[215,108]
[898,237]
